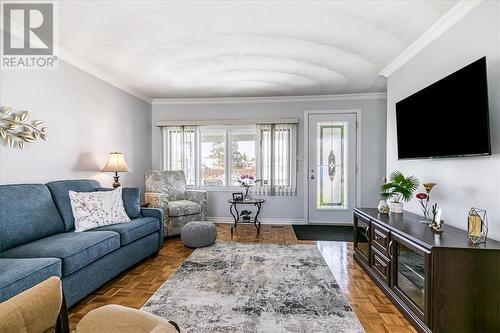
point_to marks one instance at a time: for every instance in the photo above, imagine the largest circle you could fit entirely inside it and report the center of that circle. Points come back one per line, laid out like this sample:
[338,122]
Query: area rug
[235,287]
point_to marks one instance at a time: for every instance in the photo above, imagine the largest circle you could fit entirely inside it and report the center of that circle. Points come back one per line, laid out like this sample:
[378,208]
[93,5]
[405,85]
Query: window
[217,156]
[242,154]
[213,157]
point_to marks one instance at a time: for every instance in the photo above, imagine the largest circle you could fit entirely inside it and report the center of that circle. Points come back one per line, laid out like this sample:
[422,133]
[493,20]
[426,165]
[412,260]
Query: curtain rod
[165,123]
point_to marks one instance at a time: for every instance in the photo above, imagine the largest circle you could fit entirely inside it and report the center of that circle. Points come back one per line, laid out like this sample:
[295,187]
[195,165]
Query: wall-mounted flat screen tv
[448,118]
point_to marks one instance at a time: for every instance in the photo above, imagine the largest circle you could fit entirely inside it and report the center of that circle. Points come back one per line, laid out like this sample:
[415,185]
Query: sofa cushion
[60,193]
[183,208]
[75,249]
[135,229]
[17,275]
[131,200]
[27,213]
[97,209]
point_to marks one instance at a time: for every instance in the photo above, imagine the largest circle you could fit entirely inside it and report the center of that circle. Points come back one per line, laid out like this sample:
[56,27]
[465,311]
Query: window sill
[222,189]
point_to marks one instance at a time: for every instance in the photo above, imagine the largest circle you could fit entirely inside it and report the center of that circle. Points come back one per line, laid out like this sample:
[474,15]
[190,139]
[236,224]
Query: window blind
[180,149]
[277,165]
[275,156]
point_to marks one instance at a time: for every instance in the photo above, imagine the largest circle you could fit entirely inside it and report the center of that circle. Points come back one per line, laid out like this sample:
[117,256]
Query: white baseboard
[264,220]
[276,220]
[329,223]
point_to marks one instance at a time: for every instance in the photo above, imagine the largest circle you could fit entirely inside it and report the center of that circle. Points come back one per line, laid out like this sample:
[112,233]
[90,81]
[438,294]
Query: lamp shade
[116,163]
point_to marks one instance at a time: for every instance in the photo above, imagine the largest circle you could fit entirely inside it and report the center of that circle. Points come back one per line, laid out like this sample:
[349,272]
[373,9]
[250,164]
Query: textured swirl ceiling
[174,49]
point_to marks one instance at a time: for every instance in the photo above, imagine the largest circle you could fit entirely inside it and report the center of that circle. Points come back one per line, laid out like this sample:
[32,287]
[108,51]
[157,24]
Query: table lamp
[116,163]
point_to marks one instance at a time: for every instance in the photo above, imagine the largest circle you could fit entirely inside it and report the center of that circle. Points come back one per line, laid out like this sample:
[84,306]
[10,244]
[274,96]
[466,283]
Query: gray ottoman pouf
[199,234]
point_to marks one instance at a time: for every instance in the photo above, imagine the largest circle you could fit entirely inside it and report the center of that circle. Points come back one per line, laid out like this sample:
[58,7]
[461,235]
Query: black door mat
[340,233]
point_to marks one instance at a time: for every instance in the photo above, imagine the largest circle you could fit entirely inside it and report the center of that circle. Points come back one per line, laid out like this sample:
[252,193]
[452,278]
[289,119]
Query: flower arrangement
[424,200]
[247,181]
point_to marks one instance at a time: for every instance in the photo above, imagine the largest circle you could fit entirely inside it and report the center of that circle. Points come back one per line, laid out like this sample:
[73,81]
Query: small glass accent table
[233,209]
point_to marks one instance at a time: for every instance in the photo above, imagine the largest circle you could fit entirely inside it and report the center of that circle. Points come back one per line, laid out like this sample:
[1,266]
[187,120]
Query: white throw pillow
[97,209]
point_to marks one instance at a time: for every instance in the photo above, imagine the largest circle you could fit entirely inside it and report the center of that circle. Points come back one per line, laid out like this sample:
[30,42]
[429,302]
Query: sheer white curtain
[277,159]
[180,143]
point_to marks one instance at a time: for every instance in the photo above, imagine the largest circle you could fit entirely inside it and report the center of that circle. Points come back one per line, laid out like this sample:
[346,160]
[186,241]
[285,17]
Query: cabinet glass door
[361,236]
[410,266]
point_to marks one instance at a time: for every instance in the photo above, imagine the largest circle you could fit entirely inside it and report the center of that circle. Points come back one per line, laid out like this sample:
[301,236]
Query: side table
[233,209]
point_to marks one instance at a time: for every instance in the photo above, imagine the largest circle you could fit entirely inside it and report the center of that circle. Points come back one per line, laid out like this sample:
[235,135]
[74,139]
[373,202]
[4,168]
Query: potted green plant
[398,189]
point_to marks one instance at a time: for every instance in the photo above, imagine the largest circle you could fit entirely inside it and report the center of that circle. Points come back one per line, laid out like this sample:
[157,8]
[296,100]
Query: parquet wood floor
[135,286]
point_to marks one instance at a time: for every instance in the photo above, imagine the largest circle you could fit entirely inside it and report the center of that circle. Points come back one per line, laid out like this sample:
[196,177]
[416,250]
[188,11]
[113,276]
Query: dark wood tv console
[440,282]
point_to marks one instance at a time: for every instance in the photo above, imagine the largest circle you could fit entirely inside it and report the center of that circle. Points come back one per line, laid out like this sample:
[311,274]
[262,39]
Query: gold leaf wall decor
[16,130]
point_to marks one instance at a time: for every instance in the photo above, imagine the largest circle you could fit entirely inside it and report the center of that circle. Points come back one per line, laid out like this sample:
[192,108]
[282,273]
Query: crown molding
[448,20]
[72,59]
[273,99]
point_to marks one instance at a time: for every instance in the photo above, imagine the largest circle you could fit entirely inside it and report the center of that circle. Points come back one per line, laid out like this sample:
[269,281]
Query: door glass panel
[411,274]
[331,184]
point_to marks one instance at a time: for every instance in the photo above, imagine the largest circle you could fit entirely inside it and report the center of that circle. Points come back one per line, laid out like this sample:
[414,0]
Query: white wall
[87,119]
[462,182]
[373,143]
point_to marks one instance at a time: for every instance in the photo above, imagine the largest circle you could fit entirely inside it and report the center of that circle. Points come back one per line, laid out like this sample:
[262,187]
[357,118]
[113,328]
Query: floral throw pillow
[97,209]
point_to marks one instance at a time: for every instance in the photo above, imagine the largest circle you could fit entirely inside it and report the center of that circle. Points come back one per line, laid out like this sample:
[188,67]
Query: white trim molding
[276,99]
[448,20]
[307,113]
[264,220]
[219,122]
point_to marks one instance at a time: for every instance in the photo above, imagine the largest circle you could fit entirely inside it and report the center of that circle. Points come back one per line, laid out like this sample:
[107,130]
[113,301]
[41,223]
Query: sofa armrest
[157,200]
[201,197]
[157,213]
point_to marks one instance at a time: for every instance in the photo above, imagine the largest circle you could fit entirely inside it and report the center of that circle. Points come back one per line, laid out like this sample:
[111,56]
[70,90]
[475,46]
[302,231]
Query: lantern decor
[477,225]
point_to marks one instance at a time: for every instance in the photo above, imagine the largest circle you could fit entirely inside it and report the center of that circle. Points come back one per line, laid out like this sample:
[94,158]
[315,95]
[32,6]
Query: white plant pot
[396,207]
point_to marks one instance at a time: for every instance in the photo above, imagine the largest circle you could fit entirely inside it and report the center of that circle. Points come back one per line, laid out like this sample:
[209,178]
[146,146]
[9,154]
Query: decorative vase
[247,197]
[383,207]
[396,207]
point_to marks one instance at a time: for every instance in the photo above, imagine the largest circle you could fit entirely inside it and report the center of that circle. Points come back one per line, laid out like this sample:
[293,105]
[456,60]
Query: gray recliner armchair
[167,190]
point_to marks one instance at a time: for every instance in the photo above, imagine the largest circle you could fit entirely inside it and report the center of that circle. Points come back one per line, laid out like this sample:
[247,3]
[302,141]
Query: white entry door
[331,167]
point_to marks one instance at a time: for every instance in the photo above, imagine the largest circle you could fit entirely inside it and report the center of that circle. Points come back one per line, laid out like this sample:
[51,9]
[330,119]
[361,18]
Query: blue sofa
[37,239]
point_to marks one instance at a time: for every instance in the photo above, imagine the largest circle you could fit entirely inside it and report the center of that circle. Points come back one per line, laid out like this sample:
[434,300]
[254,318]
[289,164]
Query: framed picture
[238,196]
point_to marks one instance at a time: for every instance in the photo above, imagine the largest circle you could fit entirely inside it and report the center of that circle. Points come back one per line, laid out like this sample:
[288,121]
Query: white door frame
[307,113]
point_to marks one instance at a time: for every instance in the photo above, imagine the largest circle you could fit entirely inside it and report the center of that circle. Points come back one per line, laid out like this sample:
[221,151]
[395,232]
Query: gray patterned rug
[235,287]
